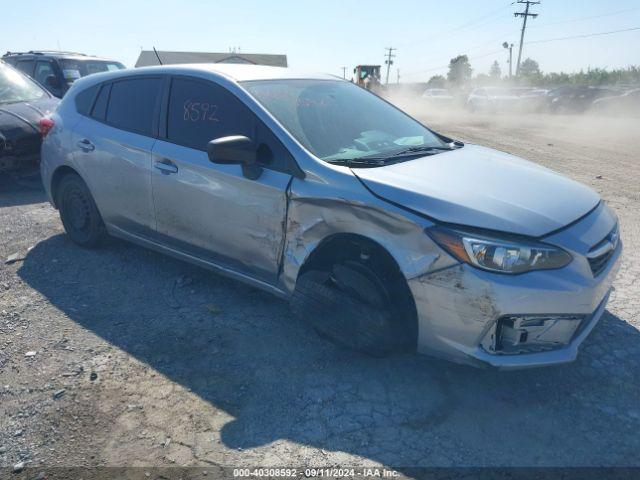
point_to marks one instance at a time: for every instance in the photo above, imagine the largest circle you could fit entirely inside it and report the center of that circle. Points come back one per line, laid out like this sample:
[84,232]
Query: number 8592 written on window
[200,111]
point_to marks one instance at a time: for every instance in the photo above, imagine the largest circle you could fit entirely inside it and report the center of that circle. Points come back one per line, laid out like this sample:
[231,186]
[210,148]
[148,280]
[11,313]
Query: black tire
[79,213]
[350,307]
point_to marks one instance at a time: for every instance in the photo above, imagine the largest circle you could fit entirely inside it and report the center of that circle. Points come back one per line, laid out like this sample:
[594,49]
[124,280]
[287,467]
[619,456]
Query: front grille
[601,253]
[599,263]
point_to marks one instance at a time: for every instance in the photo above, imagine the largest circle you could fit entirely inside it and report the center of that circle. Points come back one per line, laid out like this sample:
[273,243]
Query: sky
[324,36]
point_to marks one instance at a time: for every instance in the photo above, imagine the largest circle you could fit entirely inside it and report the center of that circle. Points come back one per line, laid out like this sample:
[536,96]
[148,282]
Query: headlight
[499,254]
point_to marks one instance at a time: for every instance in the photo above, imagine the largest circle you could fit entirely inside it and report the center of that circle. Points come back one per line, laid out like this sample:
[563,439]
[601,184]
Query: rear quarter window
[99,111]
[84,100]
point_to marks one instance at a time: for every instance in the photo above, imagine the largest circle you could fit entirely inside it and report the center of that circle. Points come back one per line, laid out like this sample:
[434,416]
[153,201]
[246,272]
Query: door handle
[166,166]
[85,145]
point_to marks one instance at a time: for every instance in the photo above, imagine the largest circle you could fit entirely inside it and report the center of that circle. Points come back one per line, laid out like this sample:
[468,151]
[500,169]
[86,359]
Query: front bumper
[459,308]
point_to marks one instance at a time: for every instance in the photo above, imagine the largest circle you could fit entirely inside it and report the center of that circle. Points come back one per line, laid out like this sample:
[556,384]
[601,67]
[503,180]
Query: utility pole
[389,61]
[525,15]
[398,79]
[510,47]
[344,72]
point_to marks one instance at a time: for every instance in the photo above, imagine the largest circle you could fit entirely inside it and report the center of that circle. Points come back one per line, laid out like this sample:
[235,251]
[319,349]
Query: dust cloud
[611,129]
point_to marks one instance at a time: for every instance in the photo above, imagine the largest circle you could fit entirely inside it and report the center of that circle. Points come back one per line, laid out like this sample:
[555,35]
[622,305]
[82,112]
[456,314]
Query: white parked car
[438,96]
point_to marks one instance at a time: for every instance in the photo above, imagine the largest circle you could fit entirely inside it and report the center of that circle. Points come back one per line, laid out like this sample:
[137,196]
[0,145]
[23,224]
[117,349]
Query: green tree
[459,70]
[530,71]
[437,81]
[495,72]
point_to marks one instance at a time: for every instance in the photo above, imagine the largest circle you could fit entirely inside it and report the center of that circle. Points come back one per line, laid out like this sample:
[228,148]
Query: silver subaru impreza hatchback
[383,234]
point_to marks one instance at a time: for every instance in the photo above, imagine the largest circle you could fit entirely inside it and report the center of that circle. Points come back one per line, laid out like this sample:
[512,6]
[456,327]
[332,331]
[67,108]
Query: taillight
[46,124]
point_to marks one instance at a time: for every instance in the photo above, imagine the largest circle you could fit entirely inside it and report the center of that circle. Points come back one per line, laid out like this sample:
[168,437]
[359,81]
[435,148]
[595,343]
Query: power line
[573,20]
[525,15]
[583,36]
[533,42]
[447,65]
[463,26]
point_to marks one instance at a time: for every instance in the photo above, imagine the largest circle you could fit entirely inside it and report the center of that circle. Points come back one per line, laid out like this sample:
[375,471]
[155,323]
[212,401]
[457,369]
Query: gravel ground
[124,357]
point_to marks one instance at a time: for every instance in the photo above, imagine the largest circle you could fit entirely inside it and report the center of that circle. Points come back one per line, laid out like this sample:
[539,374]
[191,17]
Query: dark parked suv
[57,71]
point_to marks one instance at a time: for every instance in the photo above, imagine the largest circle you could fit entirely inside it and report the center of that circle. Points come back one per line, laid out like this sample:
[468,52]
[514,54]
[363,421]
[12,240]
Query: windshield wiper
[418,150]
[378,160]
[358,162]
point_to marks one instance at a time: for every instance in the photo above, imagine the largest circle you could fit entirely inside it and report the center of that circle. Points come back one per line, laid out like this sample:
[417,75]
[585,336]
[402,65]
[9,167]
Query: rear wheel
[351,306]
[79,213]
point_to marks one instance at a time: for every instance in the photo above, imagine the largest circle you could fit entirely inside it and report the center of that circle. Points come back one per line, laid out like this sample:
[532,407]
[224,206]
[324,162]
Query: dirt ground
[121,356]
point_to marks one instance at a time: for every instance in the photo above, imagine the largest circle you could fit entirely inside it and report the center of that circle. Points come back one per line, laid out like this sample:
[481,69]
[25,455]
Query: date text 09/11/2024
[315,472]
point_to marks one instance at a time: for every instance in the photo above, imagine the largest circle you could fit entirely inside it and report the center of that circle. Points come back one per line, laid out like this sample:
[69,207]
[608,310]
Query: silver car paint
[457,305]
[118,169]
[224,206]
[461,304]
[480,187]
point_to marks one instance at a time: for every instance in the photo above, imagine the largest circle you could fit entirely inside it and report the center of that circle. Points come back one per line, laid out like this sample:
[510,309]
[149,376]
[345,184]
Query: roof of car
[57,54]
[230,72]
[233,72]
[239,72]
[148,58]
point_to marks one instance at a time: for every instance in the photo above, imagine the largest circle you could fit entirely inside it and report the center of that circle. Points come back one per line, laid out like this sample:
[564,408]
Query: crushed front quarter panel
[318,210]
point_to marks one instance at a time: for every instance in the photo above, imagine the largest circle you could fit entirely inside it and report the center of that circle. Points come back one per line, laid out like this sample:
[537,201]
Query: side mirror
[235,150]
[52,81]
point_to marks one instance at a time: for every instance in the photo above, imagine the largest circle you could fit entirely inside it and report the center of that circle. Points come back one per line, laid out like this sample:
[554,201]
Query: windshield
[15,87]
[337,120]
[74,69]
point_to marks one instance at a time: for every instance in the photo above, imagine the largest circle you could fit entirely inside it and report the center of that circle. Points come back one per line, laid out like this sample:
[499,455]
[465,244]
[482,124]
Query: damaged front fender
[314,215]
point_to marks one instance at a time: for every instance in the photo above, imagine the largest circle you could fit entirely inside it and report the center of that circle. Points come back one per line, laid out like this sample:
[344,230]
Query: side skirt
[227,272]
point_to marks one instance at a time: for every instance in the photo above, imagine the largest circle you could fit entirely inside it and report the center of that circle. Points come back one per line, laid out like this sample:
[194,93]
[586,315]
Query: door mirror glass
[235,149]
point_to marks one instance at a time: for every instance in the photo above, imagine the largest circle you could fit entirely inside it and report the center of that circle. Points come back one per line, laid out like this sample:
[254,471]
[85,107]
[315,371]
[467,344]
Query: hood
[483,188]
[19,127]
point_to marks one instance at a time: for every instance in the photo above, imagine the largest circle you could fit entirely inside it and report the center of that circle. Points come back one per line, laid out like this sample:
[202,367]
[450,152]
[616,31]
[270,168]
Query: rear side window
[84,100]
[134,103]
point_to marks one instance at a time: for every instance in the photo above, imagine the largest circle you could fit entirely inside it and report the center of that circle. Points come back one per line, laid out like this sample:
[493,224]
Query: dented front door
[213,212]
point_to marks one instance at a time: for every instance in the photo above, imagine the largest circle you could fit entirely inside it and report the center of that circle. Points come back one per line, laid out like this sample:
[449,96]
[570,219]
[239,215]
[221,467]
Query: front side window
[133,104]
[43,70]
[201,111]
[337,120]
[16,87]
[25,66]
